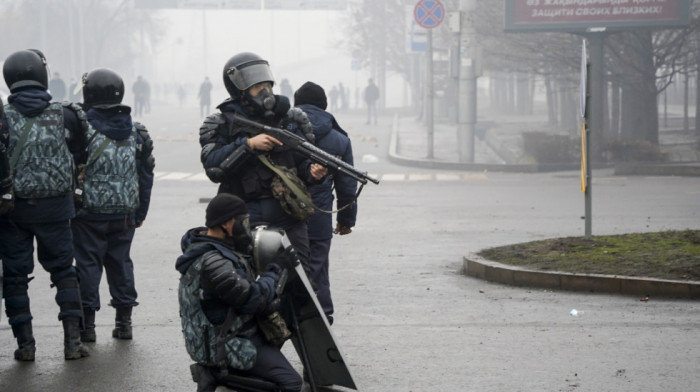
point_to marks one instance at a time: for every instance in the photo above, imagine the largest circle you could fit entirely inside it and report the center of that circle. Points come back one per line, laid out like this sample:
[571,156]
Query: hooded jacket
[227,278]
[331,138]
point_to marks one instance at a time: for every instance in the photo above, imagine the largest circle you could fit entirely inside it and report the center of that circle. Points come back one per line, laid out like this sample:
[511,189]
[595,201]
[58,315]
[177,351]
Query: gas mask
[241,237]
[262,104]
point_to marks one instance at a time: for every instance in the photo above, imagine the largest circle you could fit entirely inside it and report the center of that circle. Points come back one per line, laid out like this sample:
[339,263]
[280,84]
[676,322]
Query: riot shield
[312,336]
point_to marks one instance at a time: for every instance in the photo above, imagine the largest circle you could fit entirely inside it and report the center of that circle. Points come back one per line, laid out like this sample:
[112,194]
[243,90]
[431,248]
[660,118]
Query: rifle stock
[307,149]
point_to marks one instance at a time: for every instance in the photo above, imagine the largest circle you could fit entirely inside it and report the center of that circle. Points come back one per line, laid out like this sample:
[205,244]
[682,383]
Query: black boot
[87,334]
[122,323]
[73,349]
[203,377]
[25,341]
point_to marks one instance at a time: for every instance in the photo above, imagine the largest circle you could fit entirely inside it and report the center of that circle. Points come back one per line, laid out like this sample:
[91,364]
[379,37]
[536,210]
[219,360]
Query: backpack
[111,183]
[209,345]
[40,161]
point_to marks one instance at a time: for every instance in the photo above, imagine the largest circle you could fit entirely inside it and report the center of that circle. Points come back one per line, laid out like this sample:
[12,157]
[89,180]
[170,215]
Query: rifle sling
[20,143]
[298,192]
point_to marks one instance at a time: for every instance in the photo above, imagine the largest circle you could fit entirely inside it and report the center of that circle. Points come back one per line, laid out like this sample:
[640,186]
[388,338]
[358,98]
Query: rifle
[302,146]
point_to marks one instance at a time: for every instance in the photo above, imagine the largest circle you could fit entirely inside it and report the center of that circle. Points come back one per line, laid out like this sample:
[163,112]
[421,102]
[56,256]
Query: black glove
[271,307]
[287,258]
[7,198]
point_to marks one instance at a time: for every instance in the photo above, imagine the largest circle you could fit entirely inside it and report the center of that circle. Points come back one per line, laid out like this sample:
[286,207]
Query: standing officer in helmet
[116,192]
[230,152]
[223,297]
[44,141]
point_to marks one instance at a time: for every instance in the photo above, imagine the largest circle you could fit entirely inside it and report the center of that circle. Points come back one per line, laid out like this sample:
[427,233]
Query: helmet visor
[248,75]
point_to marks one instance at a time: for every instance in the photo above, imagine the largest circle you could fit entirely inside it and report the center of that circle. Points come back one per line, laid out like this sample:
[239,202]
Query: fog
[173,47]
[300,46]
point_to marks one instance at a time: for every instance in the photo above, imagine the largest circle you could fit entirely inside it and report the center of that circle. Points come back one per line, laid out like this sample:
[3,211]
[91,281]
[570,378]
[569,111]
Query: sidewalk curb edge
[480,268]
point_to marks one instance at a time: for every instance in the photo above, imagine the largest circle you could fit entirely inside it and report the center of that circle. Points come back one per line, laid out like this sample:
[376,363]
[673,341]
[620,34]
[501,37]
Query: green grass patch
[665,255]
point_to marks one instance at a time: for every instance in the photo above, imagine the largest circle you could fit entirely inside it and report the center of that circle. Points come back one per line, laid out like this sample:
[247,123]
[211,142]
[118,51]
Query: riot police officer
[230,153]
[116,187]
[44,140]
[224,299]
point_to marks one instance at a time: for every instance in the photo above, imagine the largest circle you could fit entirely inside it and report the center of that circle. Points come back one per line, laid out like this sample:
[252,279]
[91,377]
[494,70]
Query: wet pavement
[407,318]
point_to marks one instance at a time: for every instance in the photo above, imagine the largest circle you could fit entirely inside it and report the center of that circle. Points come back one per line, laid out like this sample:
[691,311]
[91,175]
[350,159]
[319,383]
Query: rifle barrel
[307,149]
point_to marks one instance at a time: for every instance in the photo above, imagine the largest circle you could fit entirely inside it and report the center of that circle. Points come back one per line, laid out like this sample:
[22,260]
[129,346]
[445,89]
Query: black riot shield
[311,333]
[312,336]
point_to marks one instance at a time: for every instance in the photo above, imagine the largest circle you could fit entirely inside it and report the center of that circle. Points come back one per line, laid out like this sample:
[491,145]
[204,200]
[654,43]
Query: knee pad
[68,298]
[17,299]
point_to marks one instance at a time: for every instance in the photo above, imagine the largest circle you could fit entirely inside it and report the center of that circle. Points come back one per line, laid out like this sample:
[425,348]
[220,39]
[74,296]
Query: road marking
[393,177]
[388,177]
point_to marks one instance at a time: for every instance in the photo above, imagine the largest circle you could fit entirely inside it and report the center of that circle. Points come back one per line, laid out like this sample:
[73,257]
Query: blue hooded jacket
[331,138]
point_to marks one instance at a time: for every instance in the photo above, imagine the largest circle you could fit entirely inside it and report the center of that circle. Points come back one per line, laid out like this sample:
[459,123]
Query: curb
[480,268]
[630,169]
[687,170]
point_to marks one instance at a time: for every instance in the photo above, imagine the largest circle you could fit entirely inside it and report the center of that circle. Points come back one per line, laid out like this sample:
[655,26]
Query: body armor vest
[111,184]
[207,344]
[43,166]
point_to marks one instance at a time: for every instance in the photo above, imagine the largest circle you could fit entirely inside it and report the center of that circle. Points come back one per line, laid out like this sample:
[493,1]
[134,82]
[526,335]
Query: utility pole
[429,14]
[466,116]
[429,94]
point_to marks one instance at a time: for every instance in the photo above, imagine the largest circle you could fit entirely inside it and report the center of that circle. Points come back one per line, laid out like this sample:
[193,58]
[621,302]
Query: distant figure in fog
[204,96]
[286,90]
[333,95]
[147,97]
[342,97]
[57,88]
[139,89]
[371,97]
[181,94]
[73,95]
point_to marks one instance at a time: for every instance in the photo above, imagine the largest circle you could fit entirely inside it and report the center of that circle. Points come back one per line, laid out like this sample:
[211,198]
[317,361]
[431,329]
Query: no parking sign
[429,13]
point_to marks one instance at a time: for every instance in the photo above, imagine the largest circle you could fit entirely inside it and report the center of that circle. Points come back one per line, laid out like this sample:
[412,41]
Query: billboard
[583,15]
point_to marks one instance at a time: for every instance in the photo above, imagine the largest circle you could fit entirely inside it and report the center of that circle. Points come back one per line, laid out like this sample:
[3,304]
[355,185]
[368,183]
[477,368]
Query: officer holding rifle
[250,164]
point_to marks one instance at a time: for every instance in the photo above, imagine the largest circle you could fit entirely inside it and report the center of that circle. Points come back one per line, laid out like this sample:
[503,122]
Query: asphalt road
[406,318]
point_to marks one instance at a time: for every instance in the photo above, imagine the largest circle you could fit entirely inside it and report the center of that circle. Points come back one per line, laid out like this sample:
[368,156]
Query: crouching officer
[44,141]
[115,191]
[223,300]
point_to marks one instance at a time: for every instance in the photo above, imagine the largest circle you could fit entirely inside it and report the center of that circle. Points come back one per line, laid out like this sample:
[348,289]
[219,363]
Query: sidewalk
[498,148]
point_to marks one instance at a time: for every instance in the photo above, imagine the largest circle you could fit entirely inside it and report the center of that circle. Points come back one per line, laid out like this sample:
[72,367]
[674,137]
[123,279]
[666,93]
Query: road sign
[429,13]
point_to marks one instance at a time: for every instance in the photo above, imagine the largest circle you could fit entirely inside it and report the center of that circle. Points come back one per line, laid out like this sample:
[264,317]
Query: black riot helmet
[26,68]
[102,88]
[243,71]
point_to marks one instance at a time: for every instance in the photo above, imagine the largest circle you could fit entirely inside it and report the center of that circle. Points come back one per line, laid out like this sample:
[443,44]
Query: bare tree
[78,35]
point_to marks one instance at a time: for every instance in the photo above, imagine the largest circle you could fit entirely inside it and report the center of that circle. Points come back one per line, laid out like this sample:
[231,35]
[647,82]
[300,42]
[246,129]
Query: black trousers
[271,365]
[105,245]
[55,254]
[318,273]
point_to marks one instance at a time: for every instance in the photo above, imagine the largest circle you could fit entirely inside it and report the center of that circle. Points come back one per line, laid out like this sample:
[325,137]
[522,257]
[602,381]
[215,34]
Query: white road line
[389,177]
[393,177]
[175,176]
[420,177]
[198,177]
[447,177]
